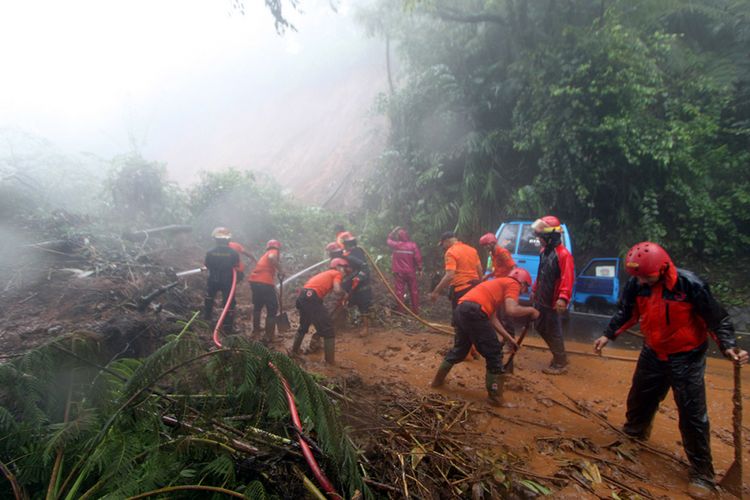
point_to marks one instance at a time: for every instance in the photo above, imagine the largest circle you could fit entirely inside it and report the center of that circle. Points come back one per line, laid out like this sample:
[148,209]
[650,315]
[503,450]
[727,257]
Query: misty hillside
[324,150]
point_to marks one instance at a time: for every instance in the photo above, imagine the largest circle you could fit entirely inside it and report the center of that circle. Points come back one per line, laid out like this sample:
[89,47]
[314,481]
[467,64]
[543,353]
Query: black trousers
[684,373]
[313,312]
[208,304]
[474,327]
[549,327]
[362,297]
[453,295]
[264,295]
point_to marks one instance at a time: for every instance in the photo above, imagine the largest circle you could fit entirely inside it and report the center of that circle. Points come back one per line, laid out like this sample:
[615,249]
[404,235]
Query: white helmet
[221,233]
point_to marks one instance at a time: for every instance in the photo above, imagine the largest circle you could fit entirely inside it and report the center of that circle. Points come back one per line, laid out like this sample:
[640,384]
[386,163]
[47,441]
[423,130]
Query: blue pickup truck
[597,287]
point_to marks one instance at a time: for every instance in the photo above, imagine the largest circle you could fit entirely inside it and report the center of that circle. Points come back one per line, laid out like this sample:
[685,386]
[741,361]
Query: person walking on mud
[676,311]
[406,264]
[263,285]
[476,323]
[312,311]
[553,289]
[221,262]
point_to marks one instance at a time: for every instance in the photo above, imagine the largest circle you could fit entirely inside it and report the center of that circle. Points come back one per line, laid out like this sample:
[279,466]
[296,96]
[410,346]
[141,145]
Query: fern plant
[75,425]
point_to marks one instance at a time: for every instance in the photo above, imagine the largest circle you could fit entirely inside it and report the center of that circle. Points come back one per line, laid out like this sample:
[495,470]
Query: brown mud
[559,431]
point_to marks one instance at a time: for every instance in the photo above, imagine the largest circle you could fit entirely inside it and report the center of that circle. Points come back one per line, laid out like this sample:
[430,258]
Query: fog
[196,85]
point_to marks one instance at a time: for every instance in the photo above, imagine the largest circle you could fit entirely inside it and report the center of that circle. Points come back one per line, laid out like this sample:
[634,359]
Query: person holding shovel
[262,283]
[677,312]
[312,311]
[476,323]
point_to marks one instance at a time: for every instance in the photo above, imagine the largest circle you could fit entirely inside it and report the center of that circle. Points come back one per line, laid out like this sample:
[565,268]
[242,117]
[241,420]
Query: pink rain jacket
[407,258]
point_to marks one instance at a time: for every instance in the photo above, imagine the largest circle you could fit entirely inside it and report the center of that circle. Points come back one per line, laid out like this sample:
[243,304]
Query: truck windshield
[508,236]
[529,244]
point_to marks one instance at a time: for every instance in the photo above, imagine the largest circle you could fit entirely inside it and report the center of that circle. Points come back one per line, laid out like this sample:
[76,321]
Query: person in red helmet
[406,263]
[313,312]
[553,289]
[263,285]
[676,311]
[502,260]
[502,265]
[476,323]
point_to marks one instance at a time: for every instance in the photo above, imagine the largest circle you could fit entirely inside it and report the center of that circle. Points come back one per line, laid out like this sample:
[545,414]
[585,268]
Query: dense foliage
[77,424]
[628,119]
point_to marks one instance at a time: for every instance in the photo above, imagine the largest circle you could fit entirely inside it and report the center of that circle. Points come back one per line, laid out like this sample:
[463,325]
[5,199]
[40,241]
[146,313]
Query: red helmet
[488,239]
[521,275]
[547,224]
[333,247]
[339,262]
[344,236]
[646,259]
[273,244]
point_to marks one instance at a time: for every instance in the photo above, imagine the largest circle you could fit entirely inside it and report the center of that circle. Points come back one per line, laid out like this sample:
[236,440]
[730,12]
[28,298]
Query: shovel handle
[520,341]
[737,413]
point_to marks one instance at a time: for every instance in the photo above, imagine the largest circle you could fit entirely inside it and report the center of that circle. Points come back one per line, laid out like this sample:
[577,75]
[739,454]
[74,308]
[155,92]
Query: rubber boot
[442,372]
[329,350]
[495,383]
[298,338]
[314,345]
[208,306]
[270,329]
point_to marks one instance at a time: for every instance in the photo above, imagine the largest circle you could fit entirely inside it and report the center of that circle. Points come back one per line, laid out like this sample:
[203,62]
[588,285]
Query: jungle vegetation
[629,119]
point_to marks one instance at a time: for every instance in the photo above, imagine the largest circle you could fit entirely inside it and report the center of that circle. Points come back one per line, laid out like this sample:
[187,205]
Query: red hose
[226,309]
[306,452]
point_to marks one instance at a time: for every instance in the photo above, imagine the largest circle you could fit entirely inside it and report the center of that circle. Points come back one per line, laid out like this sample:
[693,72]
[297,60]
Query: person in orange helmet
[676,312]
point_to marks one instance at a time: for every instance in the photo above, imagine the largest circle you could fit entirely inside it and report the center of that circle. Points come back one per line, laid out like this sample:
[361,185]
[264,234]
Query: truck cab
[598,286]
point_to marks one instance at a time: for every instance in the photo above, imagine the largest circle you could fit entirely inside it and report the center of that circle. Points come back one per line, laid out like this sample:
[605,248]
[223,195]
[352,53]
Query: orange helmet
[276,244]
[521,275]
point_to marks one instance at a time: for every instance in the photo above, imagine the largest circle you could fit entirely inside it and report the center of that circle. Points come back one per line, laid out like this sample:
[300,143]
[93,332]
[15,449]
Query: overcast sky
[182,79]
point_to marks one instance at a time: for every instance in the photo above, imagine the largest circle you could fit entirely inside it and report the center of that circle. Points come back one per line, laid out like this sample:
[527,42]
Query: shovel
[282,320]
[509,364]
[732,480]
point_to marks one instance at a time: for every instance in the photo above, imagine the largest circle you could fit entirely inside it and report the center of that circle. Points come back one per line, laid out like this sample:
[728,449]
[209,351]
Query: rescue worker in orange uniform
[476,323]
[676,311]
[502,260]
[221,262]
[262,283]
[502,264]
[553,289]
[463,270]
[312,311]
